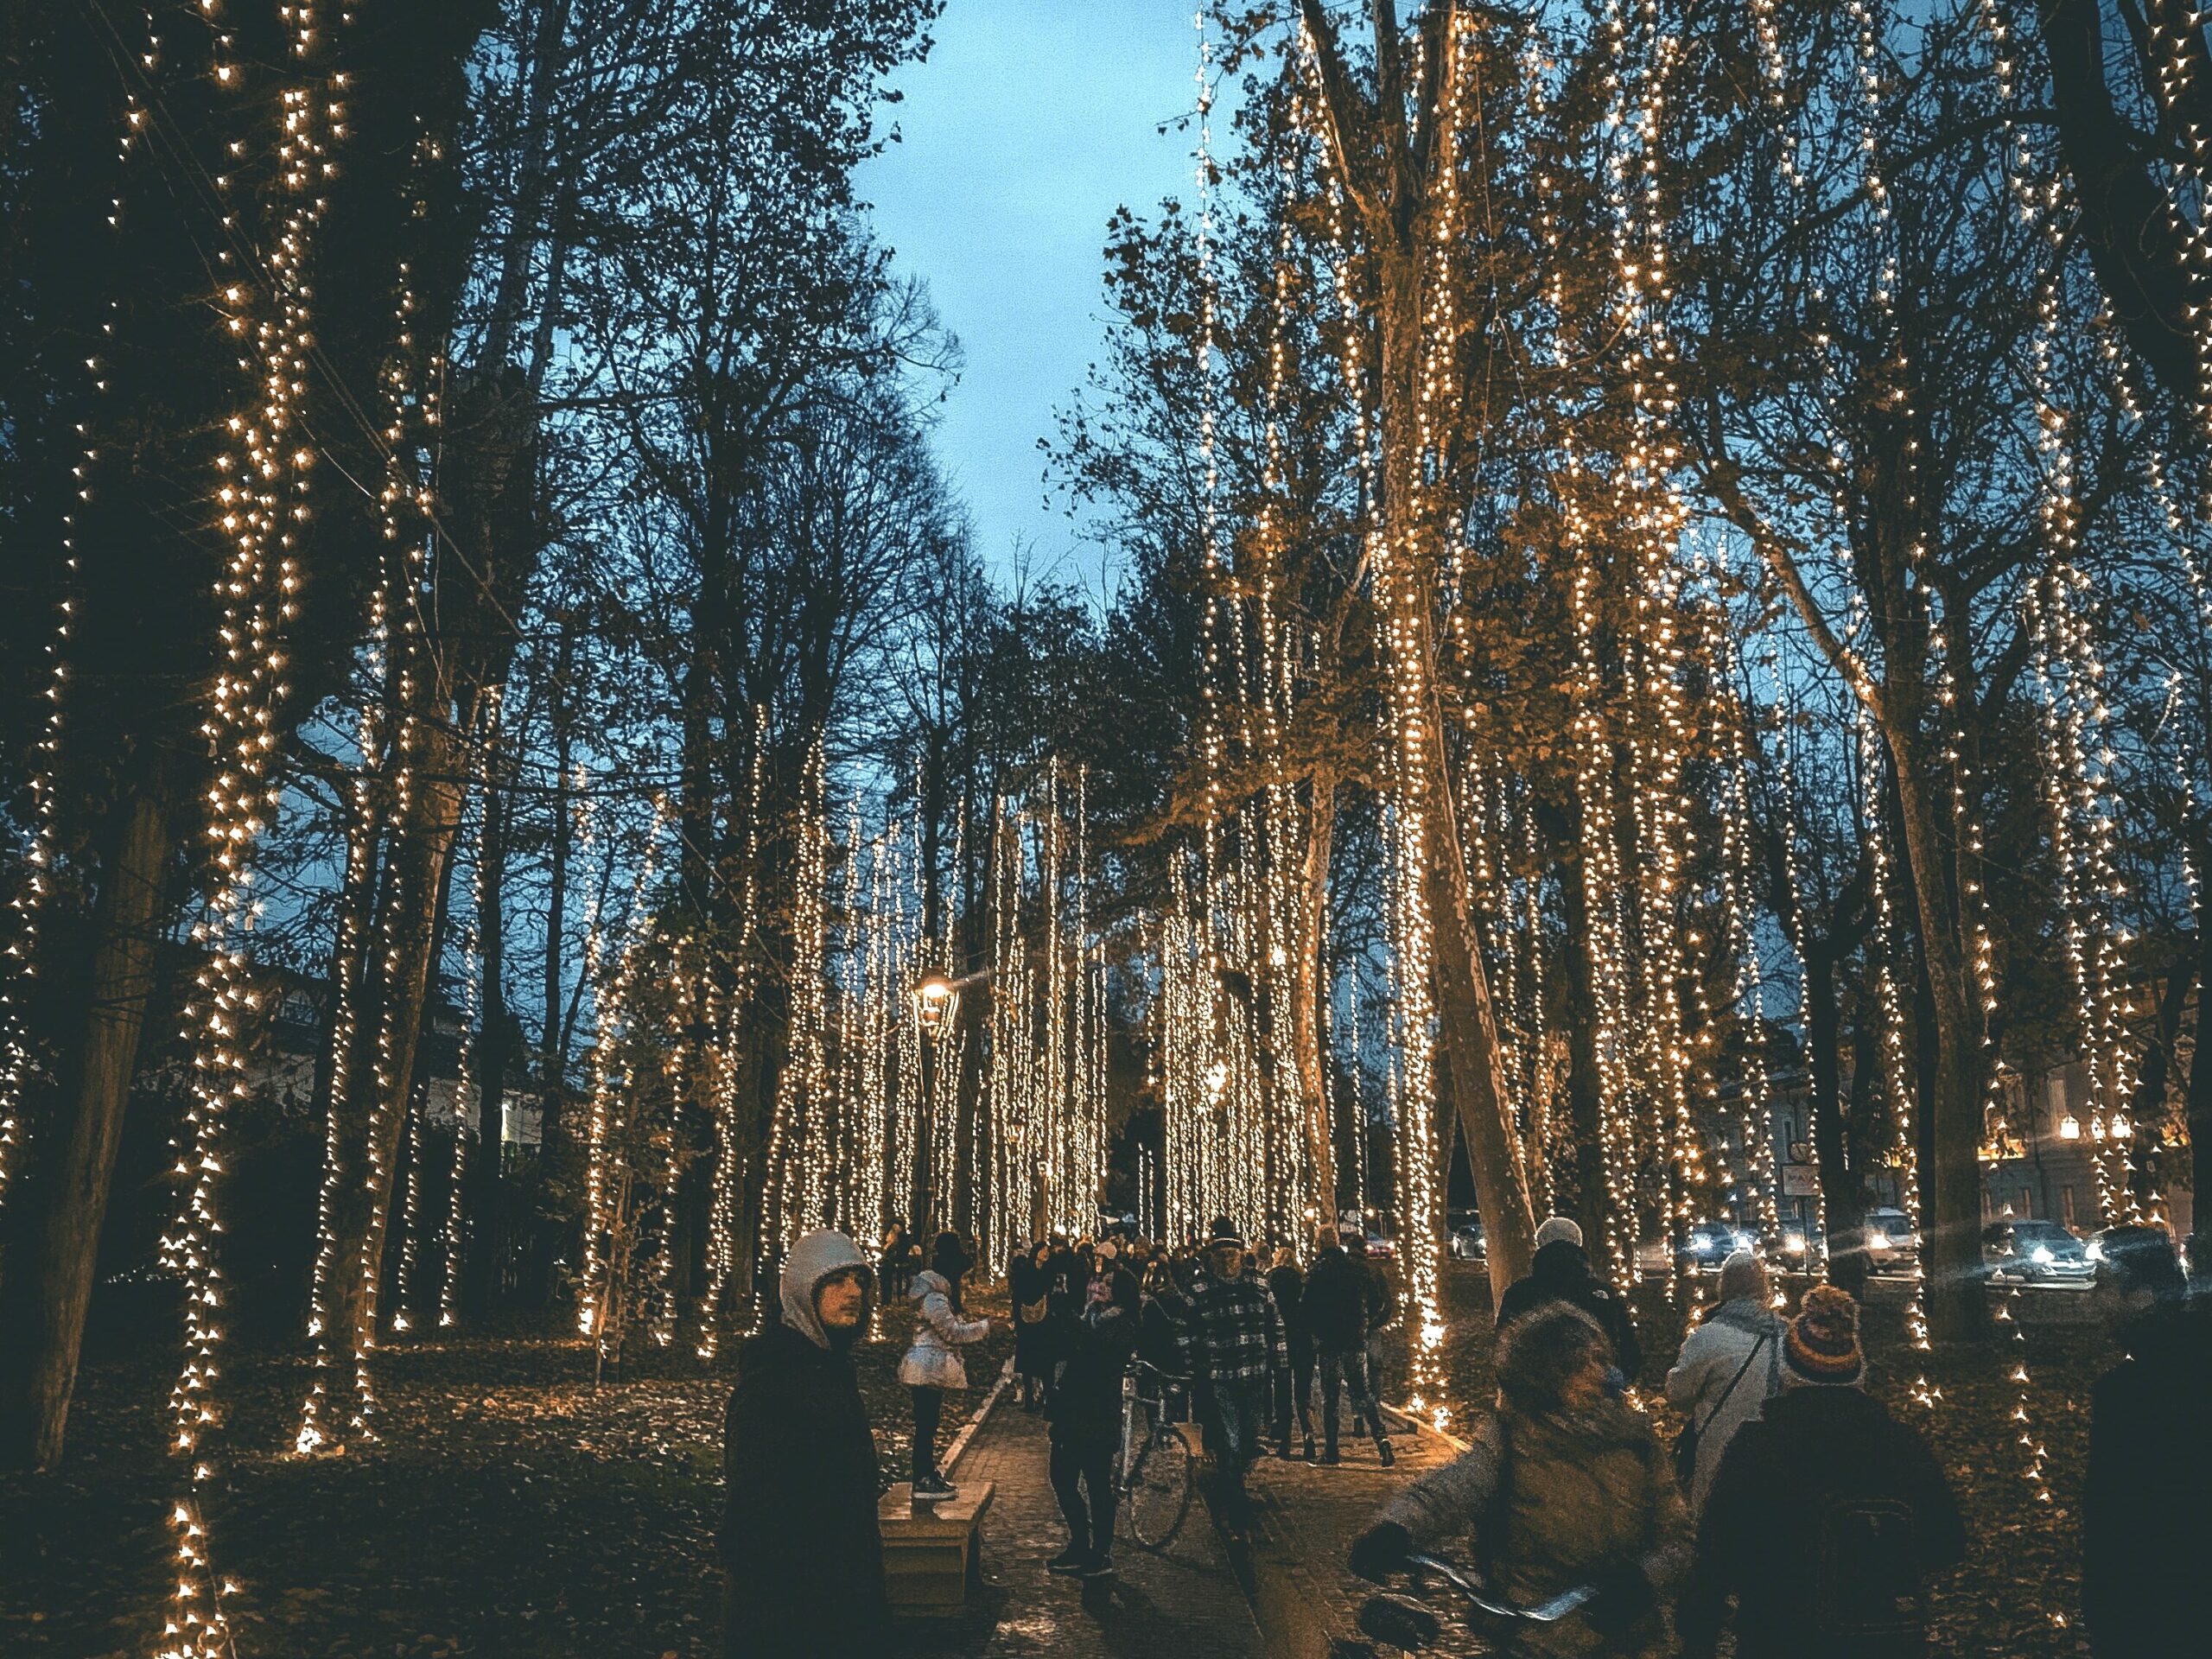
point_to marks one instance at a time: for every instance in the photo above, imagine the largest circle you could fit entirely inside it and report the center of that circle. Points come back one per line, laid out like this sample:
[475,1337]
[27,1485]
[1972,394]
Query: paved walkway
[1292,1565]
[1277,1591]
[1183,1604]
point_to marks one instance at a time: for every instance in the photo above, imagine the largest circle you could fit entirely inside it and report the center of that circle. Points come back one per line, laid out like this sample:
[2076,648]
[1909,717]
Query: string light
[263,501]
[477,1001]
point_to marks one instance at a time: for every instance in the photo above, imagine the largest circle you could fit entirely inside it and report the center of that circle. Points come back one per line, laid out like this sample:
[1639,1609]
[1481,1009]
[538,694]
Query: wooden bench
[931,1556]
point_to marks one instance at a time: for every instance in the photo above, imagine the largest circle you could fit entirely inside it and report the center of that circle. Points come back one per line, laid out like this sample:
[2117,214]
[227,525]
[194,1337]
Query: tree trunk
[125,927]
[1387,163]
[1585,1089]
[1305,990]
[375,1106]
[1843,1199]
[2199,1097]
[1465,1018]
[553,1060]
[1951,1178]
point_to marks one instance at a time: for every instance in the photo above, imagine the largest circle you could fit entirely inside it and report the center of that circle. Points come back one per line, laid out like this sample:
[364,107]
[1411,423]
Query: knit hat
[1223,1234]
[1822,1343]
[1558,1230]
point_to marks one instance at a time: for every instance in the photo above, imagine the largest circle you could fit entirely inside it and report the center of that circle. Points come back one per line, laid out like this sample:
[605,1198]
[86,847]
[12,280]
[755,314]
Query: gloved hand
[1624,1595]
[1381,1550]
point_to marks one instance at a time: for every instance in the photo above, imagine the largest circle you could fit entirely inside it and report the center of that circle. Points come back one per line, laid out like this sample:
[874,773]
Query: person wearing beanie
[933,1364]
[1827,1515]
[1730,1367]
[2144,1587]
[1563,1486]
[1232,1346]
[1560,1273]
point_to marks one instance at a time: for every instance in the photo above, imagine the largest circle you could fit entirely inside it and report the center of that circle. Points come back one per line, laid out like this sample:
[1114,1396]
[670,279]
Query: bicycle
[1404,1622]
[1157,1475]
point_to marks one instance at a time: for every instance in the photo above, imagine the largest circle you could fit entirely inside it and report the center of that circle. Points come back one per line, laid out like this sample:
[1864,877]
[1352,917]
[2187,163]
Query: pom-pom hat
[1822,1346]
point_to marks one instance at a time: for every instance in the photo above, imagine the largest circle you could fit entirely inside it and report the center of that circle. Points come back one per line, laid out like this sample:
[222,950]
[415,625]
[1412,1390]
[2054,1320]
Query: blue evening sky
[1030,122]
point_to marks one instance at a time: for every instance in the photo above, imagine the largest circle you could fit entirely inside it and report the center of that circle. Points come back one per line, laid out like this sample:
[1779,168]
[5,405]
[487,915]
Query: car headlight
[1742,1241]
[2094,1249]
[2041,1254]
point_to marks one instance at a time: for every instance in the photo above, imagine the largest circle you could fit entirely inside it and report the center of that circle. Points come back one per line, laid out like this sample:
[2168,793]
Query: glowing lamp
[937,999]
[2070,1128]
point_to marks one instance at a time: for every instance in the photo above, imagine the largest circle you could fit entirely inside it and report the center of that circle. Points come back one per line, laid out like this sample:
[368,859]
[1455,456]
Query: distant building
[283,1070]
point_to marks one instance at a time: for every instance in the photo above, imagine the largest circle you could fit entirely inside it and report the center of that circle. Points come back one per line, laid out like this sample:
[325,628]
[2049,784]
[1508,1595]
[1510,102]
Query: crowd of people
[1795,1509]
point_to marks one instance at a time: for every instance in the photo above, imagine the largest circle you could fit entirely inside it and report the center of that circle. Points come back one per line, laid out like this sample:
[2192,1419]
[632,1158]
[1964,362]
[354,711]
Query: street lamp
[2070,1128]
[935,1002]
[937,998]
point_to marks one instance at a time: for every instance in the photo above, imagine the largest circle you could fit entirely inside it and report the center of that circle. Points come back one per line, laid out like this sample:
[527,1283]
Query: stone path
[1307,1516]
[1183,1604]
[1278,1591]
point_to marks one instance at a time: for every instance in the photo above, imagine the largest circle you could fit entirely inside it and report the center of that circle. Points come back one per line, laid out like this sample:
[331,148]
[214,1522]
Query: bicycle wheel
[1156,1488]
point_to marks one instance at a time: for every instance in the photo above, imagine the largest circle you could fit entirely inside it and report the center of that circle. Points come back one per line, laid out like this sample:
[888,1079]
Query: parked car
[1798,1244]
[1466,1242]
[2019,1250]
[1890,1240]
[2101,1247]
[1711,1242]
[1385,1249]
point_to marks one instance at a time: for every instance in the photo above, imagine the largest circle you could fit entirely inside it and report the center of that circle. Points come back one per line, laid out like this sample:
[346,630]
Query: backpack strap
[1765,1338]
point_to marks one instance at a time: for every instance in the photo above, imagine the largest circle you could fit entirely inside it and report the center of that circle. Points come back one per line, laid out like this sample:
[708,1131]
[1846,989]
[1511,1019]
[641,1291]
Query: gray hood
[812,1259]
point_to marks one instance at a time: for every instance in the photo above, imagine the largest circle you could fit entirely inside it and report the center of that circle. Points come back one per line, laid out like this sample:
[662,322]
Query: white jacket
[1711,1358]
[939,1334]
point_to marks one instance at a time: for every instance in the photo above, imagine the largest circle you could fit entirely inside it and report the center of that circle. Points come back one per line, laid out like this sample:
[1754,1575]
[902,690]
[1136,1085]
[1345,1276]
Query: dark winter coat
[1035,1344]
[1560,1273]
[1287,1286]
[1341,1302]
[2146,1533]
[1160,1340]
[799,1539]
[1759,1538]
[1557,1501]
[1088,1405]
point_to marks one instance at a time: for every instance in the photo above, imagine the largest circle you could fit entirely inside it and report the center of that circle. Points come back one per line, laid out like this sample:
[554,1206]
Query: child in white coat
[933,1364]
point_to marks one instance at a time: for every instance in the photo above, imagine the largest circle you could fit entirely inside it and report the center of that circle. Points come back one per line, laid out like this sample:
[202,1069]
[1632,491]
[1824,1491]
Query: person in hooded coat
[799,1545]
[2145,1536]
[933,1365]
[1730,1367]
[1560,1273]
[1565,1486]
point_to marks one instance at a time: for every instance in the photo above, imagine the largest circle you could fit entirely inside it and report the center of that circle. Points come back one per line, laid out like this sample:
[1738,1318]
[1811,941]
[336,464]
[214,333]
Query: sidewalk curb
[968,1430]
[1421,1426]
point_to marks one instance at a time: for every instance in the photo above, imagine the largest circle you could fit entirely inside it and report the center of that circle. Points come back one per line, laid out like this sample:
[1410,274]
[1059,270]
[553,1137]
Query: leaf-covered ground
[2020,1592]
[511,1510]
